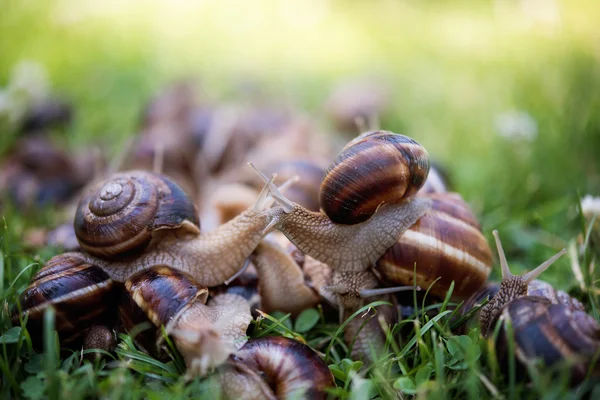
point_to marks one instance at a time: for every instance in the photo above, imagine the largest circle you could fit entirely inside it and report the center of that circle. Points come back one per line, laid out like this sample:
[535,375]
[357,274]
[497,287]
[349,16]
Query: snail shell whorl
[446,243]
[119,215]
[82,295]
[290,368]
[376,167]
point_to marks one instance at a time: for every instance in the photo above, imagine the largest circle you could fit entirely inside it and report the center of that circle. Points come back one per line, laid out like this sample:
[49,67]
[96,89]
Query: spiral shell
[445,243]
[552,333]
[119,215]
[157,295]
[375,168]
[82,295]
[276,367]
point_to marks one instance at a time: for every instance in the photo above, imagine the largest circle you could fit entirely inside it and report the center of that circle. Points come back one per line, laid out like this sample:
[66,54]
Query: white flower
[590,206]
[517,125]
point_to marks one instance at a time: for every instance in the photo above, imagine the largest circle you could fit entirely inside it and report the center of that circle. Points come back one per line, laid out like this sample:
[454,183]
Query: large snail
[136,220]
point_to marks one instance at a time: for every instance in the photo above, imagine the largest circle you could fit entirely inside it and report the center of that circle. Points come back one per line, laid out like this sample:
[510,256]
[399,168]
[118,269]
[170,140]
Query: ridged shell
[445,243]
[156,295]
[118,216]
[376,167]
[290,368]
[82,295]
[553,333]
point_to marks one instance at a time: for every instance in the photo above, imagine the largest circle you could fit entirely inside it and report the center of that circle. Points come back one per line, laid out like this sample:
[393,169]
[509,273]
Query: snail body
[82,294]
[204,334]
[153,227]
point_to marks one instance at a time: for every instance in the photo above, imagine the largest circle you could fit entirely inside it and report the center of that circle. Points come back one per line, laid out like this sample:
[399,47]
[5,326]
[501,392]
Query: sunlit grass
[453,69]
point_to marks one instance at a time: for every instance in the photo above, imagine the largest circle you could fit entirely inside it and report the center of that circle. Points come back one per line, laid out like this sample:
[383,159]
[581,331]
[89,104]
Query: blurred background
[504,94]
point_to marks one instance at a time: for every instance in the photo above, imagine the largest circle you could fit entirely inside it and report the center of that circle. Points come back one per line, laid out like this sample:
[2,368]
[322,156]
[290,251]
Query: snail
[84,297]
[275,368]
[445,245]
[555,334]
[511,287]
[136,220]
[367,202]
[547,324]
[204,334]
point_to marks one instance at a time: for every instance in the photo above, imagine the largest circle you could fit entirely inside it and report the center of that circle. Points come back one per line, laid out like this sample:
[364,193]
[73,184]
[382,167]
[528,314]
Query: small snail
[83,296]
[136,220]
[205,335]
[444,246]
[275,368]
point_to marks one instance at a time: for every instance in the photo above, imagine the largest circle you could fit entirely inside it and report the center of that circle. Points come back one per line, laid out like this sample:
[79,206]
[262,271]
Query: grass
[455,71]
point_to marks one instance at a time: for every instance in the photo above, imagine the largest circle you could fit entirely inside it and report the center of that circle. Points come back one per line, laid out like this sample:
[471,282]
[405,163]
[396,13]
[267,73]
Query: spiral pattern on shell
[375,168]
[445,243]
[118,215]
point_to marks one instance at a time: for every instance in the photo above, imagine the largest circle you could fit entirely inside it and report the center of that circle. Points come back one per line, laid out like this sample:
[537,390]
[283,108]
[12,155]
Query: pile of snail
[377,221]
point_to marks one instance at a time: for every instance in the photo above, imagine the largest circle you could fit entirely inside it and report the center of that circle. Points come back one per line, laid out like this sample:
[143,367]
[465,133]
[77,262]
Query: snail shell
[553,333]
[537,288]
[157,295]
[375,168]
[118,216]
[445,243]
[82,295]
[290,369]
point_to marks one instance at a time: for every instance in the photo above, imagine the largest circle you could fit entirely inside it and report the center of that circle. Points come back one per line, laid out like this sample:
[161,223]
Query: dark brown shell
[290,368]
[156,295]
[445,243]
[375,168]
[553,333]
[82,295]
[119,215]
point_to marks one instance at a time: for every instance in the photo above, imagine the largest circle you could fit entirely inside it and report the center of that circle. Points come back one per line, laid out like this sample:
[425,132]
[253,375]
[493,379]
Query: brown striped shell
[445,243]
[276,367]
[156,295]
[118,216]
[375,168]
[82,295]
[556,334]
